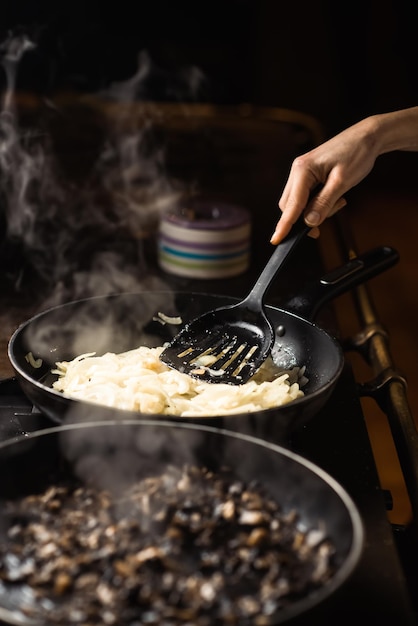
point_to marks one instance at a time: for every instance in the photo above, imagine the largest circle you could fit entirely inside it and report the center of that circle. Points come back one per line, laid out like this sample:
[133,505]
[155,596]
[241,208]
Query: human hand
[319,179]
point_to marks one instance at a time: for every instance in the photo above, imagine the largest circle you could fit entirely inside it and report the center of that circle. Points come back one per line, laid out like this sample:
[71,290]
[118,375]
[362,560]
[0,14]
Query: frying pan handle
[340,280]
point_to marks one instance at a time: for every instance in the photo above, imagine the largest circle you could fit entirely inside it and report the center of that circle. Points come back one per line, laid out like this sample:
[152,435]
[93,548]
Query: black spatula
[230,343]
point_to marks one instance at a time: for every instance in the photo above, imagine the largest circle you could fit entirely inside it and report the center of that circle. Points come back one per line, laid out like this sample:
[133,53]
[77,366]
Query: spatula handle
[254,300]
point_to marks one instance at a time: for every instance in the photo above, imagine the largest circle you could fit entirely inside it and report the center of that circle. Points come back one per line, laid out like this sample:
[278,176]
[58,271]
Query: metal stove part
[388,386]
[18,416]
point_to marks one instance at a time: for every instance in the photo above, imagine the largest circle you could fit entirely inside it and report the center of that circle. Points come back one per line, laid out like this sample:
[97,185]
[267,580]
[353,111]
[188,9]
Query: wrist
[397,130]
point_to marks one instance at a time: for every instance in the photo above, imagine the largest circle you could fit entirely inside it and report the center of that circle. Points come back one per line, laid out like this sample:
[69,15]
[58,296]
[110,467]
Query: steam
[12,50]
[85,236]
[150,80]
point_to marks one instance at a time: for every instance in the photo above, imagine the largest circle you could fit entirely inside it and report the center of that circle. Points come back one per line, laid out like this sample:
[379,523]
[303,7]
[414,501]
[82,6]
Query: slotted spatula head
[226,345]
[229,344]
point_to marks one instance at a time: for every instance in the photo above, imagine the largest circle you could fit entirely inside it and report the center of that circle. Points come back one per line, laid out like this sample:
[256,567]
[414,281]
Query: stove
[336,439]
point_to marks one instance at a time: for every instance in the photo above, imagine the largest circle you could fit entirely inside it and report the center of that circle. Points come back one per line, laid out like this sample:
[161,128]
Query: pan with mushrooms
[155,522]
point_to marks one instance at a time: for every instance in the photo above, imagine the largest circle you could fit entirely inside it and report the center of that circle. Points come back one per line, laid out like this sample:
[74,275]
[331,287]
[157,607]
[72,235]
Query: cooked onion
[138,381]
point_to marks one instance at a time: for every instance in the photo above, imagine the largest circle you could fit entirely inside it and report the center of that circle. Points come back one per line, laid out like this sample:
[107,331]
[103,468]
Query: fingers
[320,208]
[294,198]
[314,187]
[314,233]
[341,203]
[313,217]
[283,228]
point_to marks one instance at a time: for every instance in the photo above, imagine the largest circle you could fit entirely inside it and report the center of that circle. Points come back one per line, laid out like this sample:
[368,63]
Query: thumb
[317,210]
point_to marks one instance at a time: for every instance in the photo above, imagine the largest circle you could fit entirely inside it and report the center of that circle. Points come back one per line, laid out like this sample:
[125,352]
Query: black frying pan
[121,322]
[112,454]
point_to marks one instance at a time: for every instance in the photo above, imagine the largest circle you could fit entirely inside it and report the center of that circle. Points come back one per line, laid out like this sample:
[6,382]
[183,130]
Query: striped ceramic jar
[205,240]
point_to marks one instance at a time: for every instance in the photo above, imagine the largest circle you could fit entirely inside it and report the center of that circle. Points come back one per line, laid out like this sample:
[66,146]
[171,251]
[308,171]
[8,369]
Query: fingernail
[313,218]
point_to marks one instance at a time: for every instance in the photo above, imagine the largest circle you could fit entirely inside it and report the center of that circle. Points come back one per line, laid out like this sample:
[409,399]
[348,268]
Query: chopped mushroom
[187,546]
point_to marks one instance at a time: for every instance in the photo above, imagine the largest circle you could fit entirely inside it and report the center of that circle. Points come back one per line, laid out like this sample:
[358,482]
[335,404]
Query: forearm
[397,130]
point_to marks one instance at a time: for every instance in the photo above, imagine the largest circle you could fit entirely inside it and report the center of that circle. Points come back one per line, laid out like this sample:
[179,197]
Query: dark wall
[88,45]
[338,61]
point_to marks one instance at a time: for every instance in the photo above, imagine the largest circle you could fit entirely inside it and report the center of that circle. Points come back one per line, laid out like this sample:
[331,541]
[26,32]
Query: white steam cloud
[85,236]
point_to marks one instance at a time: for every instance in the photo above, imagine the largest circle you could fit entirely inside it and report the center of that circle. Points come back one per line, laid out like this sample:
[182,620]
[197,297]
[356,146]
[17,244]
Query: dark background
[337,61]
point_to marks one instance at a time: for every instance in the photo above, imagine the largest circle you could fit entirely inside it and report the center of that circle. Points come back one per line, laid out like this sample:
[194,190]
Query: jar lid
[205,215]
